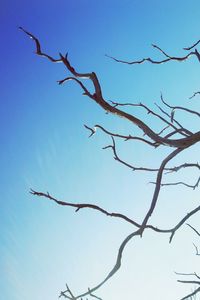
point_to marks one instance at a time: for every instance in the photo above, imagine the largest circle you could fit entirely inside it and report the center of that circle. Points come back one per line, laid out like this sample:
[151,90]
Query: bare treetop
[172,134]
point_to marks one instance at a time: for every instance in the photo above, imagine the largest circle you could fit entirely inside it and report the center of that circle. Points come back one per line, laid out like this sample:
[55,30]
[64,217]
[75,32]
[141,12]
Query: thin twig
[194,45]
[180,108]
[181,183]
[196,93]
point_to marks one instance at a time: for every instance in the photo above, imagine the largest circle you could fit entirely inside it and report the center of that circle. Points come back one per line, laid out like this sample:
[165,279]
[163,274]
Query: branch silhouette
[185,139]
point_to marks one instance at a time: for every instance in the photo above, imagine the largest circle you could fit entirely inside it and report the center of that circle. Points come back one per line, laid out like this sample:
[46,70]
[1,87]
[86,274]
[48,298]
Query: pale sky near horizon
[45,146]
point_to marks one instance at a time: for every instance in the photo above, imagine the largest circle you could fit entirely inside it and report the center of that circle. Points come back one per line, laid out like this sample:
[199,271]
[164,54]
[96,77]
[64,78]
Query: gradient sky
[44,146]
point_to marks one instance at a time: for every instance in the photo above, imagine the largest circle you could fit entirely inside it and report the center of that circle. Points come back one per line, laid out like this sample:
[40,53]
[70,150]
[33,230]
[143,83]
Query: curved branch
[38,47]
[86,92]
[116,266]
[125,137]
[98,98]
[196,231]
[183,220]
[79,206]
[158,186]
[179,145]
[114,269]
[138,232]
[194,45]
[117,158]
[196,93]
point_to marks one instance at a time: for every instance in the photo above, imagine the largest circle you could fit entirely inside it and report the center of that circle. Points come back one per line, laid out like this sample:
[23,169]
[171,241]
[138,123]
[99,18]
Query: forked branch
[98,98]
[186,139]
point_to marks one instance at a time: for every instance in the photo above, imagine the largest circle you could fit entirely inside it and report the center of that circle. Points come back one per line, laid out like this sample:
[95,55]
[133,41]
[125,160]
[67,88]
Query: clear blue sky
[44,146]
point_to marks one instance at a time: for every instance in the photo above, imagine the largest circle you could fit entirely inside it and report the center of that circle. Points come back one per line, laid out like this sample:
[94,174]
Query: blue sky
[44,146]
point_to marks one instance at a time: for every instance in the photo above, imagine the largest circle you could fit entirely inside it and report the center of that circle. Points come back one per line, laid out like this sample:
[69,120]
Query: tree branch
[149,111]
[181,183]
[186,140]
[191,294]
[185,131]
[180,108]
[183,220]
[125,137]
[117,158]
[196,231]
[196,93]
[157,187]
[194,45]
[79,206]
[98,98]
[168,57]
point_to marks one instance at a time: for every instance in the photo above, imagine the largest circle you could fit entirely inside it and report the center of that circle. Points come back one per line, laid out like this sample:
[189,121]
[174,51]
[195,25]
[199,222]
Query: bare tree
[172,135]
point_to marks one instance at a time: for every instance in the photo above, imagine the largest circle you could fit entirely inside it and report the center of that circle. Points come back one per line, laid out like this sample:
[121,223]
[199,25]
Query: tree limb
[98,98]
[168,57]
